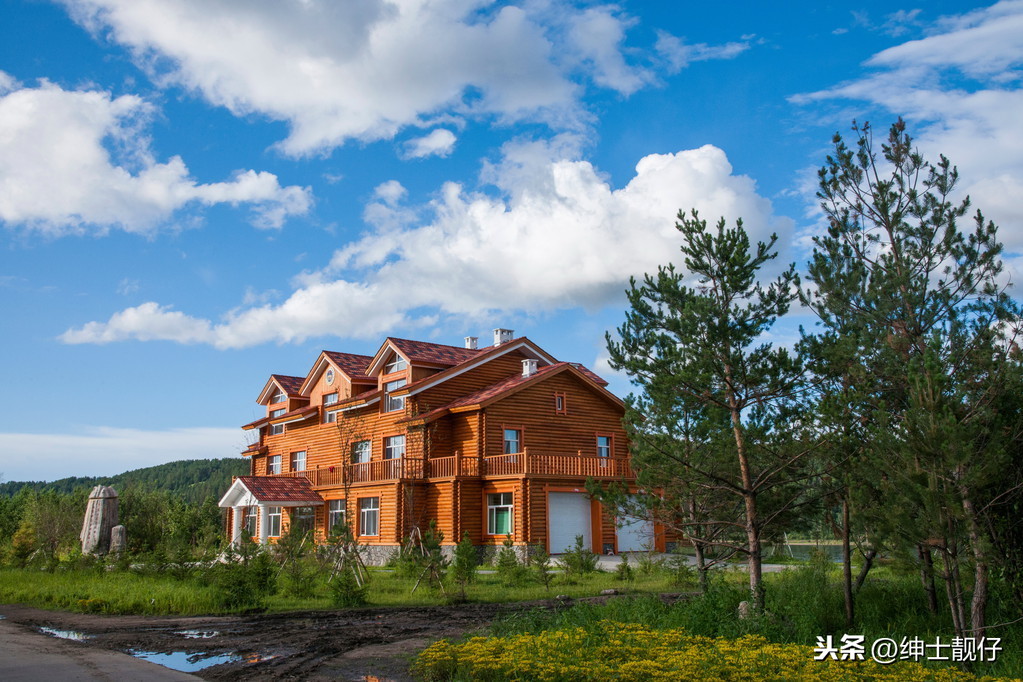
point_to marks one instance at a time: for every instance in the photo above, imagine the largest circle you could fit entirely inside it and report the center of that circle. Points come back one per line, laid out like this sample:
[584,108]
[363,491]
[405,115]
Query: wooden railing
[524,463]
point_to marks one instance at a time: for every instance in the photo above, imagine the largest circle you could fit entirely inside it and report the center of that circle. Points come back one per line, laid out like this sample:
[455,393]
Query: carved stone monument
[100,518]
[118,539]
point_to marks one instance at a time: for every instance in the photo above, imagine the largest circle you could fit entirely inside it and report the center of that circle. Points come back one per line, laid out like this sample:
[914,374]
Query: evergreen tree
[914,321]
[724,433]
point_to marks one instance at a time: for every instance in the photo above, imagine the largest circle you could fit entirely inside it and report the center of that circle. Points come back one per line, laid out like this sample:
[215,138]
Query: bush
[579,560]
[541,563]
[509,570]
[345,590]
[463,568]
[245,579]
[624,571]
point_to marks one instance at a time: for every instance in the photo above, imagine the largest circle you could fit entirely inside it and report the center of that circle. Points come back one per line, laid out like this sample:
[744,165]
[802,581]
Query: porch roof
[280,491]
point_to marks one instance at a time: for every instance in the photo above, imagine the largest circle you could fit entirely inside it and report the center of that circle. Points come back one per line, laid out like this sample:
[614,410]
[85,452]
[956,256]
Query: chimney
[528,367]
[502,336]
[472,342]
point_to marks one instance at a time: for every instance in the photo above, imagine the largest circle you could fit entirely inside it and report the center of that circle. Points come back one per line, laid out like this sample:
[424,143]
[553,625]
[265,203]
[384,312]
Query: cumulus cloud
[959,88]
[79,160]
[364,70]
[105,451]
[438,142]
[553,234]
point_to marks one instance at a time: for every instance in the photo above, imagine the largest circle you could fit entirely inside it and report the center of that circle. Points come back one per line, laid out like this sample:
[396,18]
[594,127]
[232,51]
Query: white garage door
[569,515]
[635,534]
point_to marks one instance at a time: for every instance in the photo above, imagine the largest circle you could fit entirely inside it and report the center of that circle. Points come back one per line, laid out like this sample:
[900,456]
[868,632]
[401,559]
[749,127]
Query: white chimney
[528,367]
[502,336]
[472,342]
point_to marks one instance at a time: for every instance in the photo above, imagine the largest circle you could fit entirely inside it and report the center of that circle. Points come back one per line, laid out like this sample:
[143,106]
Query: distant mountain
[193,479]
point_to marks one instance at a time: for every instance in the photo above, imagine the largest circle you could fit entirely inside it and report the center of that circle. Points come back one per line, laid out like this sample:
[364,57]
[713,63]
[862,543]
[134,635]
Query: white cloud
[958,88]
[678,54]
[556,235]
[105,451]
[342,70]
[438,142]
[78,161]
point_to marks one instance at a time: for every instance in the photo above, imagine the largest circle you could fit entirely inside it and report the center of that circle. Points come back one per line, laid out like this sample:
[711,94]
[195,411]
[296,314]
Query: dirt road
[358,644]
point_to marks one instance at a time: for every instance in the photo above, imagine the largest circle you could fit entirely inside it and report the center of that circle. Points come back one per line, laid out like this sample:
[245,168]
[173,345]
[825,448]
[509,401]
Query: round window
[330,377]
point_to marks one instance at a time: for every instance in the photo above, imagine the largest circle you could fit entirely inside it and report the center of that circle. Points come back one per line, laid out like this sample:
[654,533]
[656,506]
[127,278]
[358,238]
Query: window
[273,464]
[335,514]
[499,514]
[330,399]
[396,364]
[302,519]
[249,521]
[361,451]
[394,447]
[560,403]
[369,516]
[330,417]
[512,441]
[276,429]
[298,461]
[603,446]
[273,517]
[393,404]
[279,397]
[277,413]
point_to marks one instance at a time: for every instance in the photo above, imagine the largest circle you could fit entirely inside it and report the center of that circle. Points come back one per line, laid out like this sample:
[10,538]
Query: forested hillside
[193,480]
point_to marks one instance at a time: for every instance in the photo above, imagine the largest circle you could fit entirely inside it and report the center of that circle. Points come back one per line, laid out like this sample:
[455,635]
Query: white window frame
[330,417]
[280,412]
[298,518]
[273,521]
[279,397]
[517,440]
[330,398]
[273,465]
[298,458]
[336,513]
[395,365]
[250,520]
[369,516]
[362,451]
[496,503]
[393,404]
[602,449]
[276,429]
[394,447]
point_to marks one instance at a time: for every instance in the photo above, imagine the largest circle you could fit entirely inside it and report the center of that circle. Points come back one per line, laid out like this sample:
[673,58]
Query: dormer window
[394,403]
[277,413]
[330,399]
[396,364]
[279,397]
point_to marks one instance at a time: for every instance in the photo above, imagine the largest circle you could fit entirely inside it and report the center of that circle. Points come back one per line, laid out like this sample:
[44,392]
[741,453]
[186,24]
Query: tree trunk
[927,576]
[978,604]
[847,565]
[701,567]
[868,562]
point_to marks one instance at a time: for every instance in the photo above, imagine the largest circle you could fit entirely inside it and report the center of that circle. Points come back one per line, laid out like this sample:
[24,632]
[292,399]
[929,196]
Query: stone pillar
[100,518]
[264,523]
[237,514]
[118,539]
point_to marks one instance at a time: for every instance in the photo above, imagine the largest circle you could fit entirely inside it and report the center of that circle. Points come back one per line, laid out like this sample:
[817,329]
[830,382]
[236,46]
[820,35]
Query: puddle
[186,662]
[72,635]
[197,634]
[3,617]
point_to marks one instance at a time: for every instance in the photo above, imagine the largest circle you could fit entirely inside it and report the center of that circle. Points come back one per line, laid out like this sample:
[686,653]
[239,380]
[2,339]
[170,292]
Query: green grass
[125,592]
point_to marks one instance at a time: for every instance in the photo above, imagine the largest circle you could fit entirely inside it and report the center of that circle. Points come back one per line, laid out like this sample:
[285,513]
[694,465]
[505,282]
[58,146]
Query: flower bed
[617,651]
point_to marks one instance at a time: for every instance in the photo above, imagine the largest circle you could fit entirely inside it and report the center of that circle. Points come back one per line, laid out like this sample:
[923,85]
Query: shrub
[579,559]
[624,571]
[345,590]
[463,567]
[509,570]
[245,578]
[541,563]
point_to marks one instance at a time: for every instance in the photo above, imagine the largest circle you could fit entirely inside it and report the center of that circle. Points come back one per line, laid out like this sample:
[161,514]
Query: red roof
[434,353]
[504,386]
[290,384]
[281,489]
[351,364]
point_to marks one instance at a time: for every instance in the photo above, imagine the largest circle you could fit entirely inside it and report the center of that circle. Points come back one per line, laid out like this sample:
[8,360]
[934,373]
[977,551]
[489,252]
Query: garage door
[569,515]
[634,534]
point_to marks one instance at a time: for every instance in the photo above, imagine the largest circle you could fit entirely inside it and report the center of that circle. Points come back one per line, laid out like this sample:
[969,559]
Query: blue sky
[196,194]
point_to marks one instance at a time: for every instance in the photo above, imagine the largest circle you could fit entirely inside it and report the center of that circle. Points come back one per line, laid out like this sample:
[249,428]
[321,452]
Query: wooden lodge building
[497,442]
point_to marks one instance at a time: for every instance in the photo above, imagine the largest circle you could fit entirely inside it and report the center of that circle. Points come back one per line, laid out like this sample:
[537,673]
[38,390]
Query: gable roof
[422,353]
[290,385]
[351,364]
[514,384]
[283,491]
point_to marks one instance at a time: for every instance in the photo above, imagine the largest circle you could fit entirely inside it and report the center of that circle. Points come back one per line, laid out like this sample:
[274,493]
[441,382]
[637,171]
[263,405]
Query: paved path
[29,656]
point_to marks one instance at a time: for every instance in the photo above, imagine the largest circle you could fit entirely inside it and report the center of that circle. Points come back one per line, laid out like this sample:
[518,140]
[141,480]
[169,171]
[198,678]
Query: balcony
[524,463]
